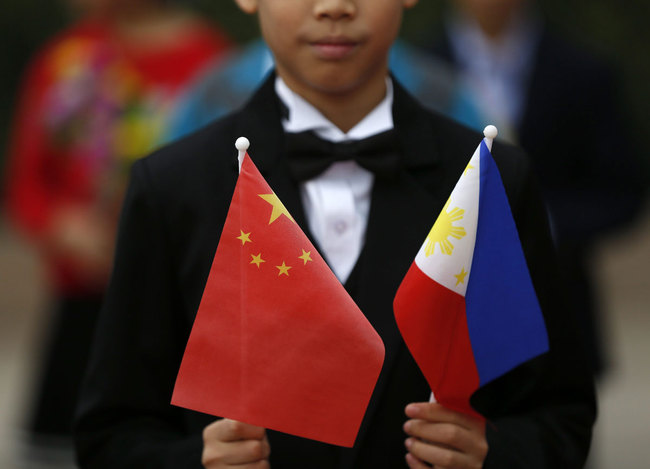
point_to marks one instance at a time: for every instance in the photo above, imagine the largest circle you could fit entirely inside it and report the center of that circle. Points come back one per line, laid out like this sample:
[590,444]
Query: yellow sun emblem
[442,229]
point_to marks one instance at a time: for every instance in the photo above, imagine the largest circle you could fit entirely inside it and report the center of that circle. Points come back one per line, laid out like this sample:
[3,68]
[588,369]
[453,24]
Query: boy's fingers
[232,430]
[435,455]
[446,435]
[255,465]
[264,464]
[241,453]
[415,463]
[247,452]
[434,412]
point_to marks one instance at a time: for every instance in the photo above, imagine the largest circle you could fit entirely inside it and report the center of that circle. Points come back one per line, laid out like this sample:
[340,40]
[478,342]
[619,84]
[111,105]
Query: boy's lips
[334,48]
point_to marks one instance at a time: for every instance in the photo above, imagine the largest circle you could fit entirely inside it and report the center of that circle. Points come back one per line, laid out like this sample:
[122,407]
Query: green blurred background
[617,29]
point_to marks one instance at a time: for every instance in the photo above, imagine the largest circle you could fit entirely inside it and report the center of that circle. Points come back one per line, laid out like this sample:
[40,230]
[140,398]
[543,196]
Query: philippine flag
[467,309]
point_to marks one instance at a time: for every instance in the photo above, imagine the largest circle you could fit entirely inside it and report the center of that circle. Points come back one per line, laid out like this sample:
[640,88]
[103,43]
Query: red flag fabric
[277,341]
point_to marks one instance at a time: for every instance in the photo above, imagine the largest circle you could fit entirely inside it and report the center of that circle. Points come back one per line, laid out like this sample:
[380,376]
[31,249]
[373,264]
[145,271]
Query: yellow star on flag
[443,228]
[278,207]
[257,260]
[460,278]
[306,256]
[244,237]
[469,166]
[284,269]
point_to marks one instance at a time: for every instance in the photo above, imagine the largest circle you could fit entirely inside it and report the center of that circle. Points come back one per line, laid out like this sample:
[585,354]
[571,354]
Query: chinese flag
[277,341]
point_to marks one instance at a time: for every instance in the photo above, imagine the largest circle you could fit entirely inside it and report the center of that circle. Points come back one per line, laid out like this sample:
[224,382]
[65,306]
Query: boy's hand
[228,443]
[443,438]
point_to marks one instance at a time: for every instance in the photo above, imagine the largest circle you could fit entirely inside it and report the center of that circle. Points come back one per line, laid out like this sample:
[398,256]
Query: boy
[332,77]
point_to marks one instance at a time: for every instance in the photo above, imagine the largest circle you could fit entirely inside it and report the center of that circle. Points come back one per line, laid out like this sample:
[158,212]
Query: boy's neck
[344,109]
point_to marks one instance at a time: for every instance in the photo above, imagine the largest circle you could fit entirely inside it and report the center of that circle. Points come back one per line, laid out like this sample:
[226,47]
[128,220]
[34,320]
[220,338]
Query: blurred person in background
[94,99]
[560,103]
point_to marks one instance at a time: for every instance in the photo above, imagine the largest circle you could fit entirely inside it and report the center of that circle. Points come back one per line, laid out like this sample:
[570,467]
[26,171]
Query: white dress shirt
[337,202]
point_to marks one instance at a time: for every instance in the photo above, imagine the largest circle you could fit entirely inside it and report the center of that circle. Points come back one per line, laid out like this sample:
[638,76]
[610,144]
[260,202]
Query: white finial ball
[490,132]
[242,144]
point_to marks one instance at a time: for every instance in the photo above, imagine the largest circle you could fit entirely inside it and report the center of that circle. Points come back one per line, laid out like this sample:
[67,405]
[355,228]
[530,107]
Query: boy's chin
[337,82]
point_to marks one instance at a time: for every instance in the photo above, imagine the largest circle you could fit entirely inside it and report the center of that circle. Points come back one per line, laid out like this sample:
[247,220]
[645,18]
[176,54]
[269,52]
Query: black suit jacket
[540,414]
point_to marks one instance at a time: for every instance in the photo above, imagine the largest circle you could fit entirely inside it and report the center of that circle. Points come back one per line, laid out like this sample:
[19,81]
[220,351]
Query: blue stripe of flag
[505,321]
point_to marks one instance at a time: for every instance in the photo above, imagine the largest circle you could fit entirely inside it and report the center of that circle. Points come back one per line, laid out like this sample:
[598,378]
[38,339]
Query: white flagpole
[241,145]
[490,133]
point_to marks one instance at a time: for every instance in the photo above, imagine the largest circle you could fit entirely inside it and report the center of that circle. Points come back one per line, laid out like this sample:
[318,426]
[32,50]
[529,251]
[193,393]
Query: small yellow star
[244,237]
[257,260]
[306,256]
[284,269]
[278,207]
[460,278]
[469,166]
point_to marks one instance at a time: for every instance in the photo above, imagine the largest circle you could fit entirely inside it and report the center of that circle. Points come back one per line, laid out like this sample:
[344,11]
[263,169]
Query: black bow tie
[308,155]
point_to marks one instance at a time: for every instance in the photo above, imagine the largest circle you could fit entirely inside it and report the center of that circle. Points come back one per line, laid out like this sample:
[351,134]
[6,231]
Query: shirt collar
[303,116]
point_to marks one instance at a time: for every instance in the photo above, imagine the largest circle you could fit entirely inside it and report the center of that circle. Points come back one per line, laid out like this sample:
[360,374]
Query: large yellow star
[306,256]
[278,207]
[244,237]
[284,269]
[460,278]
[257,260]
